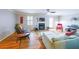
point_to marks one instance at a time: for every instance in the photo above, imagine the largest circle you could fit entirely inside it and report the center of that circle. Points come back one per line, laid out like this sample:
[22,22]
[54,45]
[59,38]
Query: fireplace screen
[41,26]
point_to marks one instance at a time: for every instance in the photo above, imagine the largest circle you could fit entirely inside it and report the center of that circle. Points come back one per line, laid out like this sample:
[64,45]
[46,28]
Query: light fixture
[49,12]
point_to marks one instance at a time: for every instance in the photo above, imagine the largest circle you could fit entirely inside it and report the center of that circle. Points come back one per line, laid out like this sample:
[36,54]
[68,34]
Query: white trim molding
[6,36]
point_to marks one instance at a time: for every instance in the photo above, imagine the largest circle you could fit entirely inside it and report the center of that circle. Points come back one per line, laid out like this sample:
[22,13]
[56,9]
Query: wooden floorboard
[10,43]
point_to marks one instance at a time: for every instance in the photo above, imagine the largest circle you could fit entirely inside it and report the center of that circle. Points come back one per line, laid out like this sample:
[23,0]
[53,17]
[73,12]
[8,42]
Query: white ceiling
[44,11]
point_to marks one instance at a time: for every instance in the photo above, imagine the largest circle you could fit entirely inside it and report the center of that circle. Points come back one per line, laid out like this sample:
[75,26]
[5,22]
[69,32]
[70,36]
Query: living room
[52,23]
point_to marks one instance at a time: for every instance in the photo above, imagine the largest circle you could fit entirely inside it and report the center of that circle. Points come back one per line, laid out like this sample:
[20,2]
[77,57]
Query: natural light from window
[51,22]
[29,20]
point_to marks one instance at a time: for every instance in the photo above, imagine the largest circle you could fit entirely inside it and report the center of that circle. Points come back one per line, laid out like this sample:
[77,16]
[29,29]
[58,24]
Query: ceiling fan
[48,10]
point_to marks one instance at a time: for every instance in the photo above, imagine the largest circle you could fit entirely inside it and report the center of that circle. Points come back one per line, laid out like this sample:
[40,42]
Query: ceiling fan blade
[52,12]
[48,10]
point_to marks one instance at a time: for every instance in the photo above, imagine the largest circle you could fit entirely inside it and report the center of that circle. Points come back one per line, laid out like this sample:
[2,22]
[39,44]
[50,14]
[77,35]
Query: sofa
[60,42]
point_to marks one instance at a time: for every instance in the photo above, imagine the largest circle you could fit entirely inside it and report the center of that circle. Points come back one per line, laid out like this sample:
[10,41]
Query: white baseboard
[6,36]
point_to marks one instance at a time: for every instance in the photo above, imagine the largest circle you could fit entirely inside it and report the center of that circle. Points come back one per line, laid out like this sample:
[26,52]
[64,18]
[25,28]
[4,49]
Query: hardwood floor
[10,43]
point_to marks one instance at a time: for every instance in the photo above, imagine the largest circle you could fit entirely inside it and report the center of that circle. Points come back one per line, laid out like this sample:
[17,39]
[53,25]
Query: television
[41,19]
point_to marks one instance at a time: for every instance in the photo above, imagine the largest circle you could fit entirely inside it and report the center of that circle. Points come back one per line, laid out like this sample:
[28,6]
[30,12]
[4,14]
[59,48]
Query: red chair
[59,27]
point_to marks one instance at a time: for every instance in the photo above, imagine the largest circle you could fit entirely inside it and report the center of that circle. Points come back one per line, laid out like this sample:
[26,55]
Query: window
[29,20]
[51,22]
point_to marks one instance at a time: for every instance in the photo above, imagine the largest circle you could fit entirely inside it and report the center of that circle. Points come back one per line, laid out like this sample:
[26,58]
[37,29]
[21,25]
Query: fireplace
[41,26]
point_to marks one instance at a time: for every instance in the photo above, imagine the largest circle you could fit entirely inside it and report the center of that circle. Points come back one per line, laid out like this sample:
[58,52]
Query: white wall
[35,20]
[7,23]
[64,19]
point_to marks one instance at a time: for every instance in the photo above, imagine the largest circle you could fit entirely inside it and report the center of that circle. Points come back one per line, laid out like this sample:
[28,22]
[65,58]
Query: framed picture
[41,19]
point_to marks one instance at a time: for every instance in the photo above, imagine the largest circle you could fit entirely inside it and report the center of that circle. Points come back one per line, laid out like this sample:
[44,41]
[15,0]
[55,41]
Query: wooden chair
[21,37]
[20,34]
